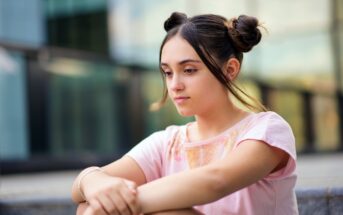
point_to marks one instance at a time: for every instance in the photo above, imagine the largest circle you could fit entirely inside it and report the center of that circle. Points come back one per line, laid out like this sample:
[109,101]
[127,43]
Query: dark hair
[216,40]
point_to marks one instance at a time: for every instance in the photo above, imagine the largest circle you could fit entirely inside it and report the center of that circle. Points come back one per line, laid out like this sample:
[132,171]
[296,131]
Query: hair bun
[245,33]
[174,20]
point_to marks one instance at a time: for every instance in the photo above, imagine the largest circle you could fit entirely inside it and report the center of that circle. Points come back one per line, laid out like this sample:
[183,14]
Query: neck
[215,122]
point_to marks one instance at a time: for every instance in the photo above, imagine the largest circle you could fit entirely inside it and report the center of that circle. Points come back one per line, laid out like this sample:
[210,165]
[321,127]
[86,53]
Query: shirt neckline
[211,139]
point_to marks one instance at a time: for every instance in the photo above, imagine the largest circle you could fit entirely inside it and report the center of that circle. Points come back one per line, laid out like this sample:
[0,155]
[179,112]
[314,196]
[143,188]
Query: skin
[122,187]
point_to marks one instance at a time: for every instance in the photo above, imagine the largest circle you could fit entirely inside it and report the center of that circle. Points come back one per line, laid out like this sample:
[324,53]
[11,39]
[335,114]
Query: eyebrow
[183,62]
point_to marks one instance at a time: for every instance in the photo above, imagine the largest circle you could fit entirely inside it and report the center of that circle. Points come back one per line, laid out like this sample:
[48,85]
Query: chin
[185,113]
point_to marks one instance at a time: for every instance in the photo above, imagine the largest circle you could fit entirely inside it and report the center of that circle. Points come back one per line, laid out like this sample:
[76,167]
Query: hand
[110,195]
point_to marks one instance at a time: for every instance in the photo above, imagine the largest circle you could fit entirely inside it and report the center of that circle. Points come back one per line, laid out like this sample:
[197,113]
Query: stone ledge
[311,201]
[320,201]
[37,206]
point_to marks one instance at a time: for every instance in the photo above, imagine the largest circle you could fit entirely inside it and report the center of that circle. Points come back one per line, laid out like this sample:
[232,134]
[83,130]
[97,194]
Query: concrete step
[320,201]
[319,189]
[310,202]
[37,206]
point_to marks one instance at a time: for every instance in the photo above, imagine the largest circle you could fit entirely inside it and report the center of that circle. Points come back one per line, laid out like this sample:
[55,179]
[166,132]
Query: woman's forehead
[177,49]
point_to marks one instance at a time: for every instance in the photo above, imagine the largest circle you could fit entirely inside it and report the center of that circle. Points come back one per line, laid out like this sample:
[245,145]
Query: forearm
[76,191]
[82,207]
[125,168]
[211,182]
[182,190]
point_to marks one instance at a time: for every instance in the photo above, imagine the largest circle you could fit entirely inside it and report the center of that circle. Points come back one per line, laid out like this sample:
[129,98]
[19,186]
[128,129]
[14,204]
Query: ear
[232,68]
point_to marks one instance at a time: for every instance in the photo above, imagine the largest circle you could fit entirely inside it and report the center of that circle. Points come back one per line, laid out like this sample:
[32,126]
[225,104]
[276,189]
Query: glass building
[77,76]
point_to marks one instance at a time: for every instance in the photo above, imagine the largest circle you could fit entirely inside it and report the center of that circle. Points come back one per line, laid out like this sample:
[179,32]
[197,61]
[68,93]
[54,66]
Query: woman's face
[193,89]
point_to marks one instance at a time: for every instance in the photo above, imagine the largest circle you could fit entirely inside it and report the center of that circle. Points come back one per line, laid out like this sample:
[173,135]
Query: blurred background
[77,76]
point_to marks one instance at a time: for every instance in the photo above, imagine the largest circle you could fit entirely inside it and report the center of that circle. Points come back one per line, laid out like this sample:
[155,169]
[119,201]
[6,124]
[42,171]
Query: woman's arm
[84,206]
[125,168]
[110,189]
[248,163]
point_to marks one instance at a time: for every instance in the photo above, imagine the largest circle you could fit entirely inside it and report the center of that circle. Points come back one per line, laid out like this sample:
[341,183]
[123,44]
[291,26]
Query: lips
[180,99]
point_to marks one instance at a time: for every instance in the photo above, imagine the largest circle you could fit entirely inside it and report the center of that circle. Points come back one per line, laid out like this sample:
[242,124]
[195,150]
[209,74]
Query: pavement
[314,171]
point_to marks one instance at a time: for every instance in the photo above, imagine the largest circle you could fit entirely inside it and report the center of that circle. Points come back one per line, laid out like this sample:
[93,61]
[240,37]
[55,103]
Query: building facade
[77,76]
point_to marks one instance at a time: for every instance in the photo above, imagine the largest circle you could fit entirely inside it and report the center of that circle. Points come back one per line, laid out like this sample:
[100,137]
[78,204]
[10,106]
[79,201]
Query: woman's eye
[190,70]
[167,73]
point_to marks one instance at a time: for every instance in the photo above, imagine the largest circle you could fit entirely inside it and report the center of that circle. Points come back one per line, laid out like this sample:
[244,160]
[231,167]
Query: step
[310,202]
[321,201]
[37,206]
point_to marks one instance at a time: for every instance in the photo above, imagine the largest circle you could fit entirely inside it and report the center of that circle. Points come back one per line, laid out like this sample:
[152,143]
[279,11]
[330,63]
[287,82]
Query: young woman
[228,161]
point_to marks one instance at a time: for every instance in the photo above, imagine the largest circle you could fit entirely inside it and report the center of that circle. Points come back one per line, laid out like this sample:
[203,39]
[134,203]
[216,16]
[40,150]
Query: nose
[176,83]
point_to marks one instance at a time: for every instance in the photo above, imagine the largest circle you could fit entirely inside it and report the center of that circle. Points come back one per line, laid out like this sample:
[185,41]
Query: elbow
[219,183]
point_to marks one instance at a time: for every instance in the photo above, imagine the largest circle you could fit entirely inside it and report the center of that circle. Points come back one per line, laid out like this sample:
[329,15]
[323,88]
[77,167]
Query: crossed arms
[121,187]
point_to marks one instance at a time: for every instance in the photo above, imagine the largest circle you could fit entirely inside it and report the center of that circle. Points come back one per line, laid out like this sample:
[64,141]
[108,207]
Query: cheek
[169,91]
[167,84]
[211,92]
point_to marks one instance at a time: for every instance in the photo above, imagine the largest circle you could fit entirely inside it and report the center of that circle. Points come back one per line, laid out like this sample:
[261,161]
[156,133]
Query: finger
[107,203]
[120,205]
[96,208]
[131,201]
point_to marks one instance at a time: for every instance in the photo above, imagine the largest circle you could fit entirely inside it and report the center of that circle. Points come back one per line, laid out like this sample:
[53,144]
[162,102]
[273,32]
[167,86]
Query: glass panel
[22,22]
[326,122]
[80,31]
[289,105]
[339,8]
[84,102]
[223,7]
[136,32]
[296,48]
[298,60]
[340,63]
[288,17]
[13,118]
[68,7]
[251,89]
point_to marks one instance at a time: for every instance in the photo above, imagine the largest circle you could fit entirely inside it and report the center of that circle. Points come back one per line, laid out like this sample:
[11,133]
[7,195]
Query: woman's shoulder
[272,129]
[269,117]
[267,126]
[268,114]
[269,123]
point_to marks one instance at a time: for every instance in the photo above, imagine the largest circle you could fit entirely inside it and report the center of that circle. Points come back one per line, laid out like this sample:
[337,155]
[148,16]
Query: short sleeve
[273,130]
[148,155]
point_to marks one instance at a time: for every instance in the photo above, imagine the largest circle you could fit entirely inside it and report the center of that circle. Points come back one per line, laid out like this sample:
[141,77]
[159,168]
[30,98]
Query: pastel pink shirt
[167,152]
